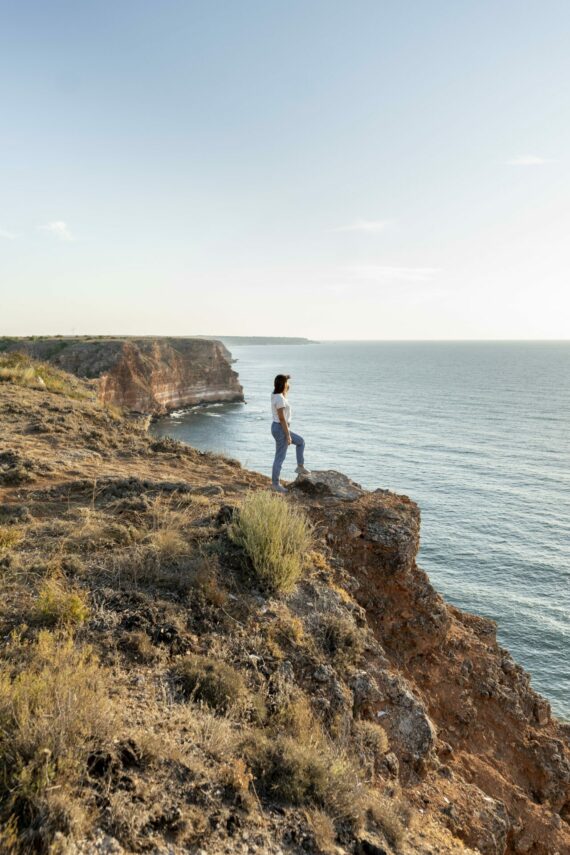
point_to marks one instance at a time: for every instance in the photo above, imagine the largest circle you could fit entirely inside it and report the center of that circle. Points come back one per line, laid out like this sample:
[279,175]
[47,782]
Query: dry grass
[389,816]
[214,683]
[94,531]
[323,830]
[341,639]
[202,678]
[276,538]
[56,605]
[371,743]
[138,647]
[53,712]
[10,536]
[22,370]
[305,771]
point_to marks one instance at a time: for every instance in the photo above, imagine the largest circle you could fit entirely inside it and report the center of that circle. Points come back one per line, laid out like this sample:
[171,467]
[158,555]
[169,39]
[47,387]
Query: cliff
[145,375]
[155,696]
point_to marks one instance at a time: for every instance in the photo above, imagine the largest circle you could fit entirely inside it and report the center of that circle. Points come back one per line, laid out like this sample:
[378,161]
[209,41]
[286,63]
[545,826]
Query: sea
[477,433]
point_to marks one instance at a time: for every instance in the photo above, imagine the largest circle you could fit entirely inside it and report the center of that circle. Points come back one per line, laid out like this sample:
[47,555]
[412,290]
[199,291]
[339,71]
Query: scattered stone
[328,483]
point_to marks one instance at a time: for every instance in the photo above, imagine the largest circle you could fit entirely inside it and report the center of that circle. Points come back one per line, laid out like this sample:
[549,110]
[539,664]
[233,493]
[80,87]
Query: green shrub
[275,536]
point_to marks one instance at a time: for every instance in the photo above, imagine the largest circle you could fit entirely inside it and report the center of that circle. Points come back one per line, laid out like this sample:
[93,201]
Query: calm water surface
[477,433]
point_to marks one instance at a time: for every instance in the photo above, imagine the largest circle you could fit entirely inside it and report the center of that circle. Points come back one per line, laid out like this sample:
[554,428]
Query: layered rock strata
[145,375]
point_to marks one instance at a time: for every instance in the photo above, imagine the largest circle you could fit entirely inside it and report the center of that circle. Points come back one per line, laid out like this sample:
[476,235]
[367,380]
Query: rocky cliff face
[146,375]
[475,743]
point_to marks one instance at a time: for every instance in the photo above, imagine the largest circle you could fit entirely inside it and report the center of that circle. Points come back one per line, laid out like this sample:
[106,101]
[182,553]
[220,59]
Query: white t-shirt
[279,402]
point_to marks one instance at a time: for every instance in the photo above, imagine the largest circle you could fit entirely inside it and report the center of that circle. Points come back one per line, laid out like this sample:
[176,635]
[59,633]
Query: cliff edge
[146,374]
[156,696]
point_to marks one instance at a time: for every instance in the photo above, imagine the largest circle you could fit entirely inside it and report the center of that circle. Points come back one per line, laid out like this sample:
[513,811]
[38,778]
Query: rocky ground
[358,713]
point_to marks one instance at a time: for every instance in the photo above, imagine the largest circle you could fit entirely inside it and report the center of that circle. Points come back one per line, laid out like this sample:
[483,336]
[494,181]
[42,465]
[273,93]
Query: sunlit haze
[336,170]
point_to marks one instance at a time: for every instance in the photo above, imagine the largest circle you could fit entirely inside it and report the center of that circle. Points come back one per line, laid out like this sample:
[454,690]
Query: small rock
[323,674]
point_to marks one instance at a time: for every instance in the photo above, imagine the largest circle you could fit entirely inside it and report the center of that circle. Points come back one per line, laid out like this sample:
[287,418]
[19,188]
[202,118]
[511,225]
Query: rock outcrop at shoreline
[143,374]
[359,713]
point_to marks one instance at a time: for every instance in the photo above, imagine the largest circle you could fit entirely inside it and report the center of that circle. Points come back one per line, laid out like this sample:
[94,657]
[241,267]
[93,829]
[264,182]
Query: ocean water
[478,434]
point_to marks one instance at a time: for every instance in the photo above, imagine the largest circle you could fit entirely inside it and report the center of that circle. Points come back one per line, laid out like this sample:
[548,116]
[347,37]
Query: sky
[337,170]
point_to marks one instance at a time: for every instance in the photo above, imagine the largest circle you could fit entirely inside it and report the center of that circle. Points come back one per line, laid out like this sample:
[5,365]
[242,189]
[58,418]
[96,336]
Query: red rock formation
[475,744]
[147,375]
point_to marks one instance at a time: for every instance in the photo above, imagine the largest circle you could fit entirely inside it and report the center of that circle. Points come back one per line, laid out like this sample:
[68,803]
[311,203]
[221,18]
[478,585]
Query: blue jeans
[281,449]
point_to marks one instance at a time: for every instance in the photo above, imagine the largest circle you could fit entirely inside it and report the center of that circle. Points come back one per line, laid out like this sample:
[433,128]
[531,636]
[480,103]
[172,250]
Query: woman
[281,410]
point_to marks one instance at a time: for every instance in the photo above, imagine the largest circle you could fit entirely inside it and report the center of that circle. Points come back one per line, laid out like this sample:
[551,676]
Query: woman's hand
[284,425]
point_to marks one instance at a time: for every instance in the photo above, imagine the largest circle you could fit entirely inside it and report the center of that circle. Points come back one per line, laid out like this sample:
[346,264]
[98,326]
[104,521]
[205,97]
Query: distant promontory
[145,374]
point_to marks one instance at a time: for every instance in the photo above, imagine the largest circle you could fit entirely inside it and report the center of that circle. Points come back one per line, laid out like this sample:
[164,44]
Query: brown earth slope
[145,374]
[358,713]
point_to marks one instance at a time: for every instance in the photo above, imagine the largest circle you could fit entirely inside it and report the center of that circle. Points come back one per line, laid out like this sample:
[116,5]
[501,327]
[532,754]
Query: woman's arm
[284,425]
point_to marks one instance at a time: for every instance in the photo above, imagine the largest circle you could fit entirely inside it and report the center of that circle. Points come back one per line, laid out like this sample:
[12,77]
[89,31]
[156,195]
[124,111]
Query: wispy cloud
[377,273]
[58,229]
[364,226]
[528,160]
[7,235]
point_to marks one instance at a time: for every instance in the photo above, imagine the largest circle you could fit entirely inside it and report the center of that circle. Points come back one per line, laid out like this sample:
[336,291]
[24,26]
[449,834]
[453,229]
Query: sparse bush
[215,683]
[53,712]
[385,814]
[295,717]
[371,743]
[305,772]
[286,632]
[138,647]
[58,606]
[341,638]
[371,736]
[323,830]
[275,536]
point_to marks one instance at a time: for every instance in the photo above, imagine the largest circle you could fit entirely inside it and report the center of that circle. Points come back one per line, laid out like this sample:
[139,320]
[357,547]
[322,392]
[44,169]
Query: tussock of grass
[371,736]
[295,718]
[371,743]
[215,683]
[389,817]
[305,772]
[275,536]
[58,606]
[323,830]
[95,531]
[138,647]
[22,370]
[342,639]
[53,712]
[10,536]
